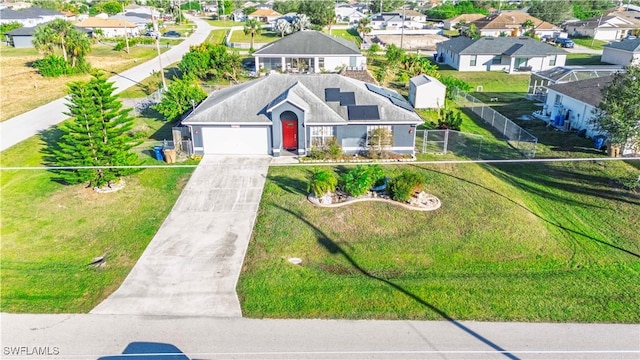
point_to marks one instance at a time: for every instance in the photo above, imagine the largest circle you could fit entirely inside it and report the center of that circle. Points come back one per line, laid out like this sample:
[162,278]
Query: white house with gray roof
[29,17]
[309,51]
[509,54]
[626,52]
[292,113]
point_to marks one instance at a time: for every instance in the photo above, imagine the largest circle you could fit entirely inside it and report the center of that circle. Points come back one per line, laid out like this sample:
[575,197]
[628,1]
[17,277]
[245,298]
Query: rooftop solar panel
[347,98]
[402,103]
[332,94]
[394,97]
[363,112]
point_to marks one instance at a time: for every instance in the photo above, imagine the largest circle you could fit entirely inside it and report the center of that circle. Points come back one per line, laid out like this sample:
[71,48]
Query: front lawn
[348,34]
[51,232]
[584,59]
[238,36]
[521,242]
[590,43]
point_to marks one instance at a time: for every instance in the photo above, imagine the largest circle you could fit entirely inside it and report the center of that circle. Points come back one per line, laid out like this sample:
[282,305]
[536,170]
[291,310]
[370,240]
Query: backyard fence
[142,105]
[517,137]
[449,141]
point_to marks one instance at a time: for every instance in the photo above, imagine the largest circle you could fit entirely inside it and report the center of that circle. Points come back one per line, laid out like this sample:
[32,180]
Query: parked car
[152,33]
[565,43]
[172,34]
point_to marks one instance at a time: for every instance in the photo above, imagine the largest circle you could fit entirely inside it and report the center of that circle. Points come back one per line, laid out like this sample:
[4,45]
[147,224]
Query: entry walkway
[192,265]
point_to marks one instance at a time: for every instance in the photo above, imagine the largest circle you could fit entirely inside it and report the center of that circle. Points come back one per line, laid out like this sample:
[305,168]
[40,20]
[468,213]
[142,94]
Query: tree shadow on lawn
[50,138]
[521,184]
[335,249]
[290,185]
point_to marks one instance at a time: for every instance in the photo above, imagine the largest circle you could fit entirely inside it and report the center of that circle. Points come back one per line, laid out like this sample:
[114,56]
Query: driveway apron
[192,265]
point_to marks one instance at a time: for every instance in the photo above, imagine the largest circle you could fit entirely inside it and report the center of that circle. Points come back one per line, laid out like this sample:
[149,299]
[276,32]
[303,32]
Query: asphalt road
[24,126]
[103,336]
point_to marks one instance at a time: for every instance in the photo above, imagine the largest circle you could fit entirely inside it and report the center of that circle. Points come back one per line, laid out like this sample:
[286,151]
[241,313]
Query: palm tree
[43,39]
[61,28]
[78,46]
[252,27]
[528,27]
[363,26]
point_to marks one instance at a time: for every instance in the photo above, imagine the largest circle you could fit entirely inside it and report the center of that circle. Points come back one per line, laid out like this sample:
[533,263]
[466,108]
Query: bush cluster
[360,179]
[330,151]
[405,185]
[54,66]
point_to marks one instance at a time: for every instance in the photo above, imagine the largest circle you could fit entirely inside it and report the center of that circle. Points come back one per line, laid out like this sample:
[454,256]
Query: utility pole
[404,14]
[156,29]
[126,30]
[595,31]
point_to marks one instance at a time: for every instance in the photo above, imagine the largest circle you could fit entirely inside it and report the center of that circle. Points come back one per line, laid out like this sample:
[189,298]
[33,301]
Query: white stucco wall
[580,115]
[427,96]
[484,63]
[619,57]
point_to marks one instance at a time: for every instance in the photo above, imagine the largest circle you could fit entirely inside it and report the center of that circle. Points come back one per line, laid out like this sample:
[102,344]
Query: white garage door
[235,140]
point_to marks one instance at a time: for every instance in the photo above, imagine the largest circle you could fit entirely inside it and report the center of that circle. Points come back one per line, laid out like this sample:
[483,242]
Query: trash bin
[598,142]
[170,155]
[158,151]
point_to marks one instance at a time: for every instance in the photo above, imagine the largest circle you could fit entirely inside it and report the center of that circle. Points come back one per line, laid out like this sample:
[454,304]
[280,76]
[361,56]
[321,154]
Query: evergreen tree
[98,134]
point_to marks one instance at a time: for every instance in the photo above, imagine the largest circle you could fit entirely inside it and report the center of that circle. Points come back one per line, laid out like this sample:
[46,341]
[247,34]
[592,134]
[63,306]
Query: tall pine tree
[99,133]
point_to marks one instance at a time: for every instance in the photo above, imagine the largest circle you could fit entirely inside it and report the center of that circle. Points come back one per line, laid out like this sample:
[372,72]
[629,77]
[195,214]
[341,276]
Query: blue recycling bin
[598,142]
[158,151]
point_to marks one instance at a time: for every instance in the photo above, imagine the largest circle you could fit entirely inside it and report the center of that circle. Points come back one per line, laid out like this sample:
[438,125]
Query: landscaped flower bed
[420,201]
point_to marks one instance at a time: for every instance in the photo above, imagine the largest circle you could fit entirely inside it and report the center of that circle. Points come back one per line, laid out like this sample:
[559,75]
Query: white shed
[426,92]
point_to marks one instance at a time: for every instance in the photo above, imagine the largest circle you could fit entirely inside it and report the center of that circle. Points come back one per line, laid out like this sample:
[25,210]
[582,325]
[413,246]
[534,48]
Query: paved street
[92,336]
[32,122]
[193,262]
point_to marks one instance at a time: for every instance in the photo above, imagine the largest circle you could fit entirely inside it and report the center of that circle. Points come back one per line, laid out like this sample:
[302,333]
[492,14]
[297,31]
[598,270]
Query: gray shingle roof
[310,42]
[626,45]
[248,102]
[28,13]
[512,46]
[588,91]
[29,31]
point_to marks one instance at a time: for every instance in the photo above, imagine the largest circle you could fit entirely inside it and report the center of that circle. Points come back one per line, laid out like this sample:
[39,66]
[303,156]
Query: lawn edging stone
[419,202]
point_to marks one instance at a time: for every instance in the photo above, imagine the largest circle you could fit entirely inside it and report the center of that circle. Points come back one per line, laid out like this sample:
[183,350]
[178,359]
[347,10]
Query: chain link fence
[517,137]
[142,105]
[449,141]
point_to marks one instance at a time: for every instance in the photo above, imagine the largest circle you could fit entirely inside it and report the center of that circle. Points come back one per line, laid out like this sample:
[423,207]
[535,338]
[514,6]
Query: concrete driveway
[192,265]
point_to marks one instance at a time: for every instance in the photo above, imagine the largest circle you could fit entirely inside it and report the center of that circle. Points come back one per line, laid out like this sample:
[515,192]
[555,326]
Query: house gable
[309,42]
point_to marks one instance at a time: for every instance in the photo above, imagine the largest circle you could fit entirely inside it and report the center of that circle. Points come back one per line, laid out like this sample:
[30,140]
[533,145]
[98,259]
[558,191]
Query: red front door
[290,134]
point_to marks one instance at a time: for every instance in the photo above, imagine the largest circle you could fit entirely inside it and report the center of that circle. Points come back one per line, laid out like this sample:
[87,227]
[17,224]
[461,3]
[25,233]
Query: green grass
[224,23]
[238,36]
[150,84]
[590,43]
[584,59]
[524,242]
[52,231]
[347,34]
[216,37]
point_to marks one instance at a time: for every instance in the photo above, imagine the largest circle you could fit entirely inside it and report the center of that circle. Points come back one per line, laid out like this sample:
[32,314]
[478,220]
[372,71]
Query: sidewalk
[31,123]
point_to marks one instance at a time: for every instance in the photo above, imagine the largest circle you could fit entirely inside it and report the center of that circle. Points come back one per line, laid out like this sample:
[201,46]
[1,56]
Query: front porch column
[316,69]
[257,65]
[283,65]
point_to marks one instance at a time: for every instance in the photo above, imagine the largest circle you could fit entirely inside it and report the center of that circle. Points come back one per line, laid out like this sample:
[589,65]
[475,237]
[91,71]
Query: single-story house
[23,37]
[426,92]
[614,26]
[569,106]
[293,113]
[308,51]
[141,22]
[111,27]
[347,13]
[264,15]
[509,54]
[29,17]
[450,24]
[626,52]
[383,21]
[238,15]
[410,14]
[510,23]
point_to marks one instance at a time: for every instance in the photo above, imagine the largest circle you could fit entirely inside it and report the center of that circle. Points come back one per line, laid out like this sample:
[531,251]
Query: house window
[521,62]
[379,138]
[320,135]
[472,60]
[558,100]
[497,60]
[552,60]
[321,63]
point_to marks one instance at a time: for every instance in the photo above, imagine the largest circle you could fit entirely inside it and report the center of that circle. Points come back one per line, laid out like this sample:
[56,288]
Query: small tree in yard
[182,95]
[98,134]
[322,181]
[252,27]
[379,143]
[619,112]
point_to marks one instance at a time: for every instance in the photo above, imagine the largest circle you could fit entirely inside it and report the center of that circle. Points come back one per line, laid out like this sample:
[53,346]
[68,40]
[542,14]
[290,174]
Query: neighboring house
[23,37]
[426,92]
[349,14]
[510,23]
[615,26]
[238,15]
[509,54]
[450,24]
[29,17]
[410,14]
[264,15]
[383,21]
[140,22]
[110,27]
[626,52]
[309,51]
[539,80]
[294,113]
[570,107]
